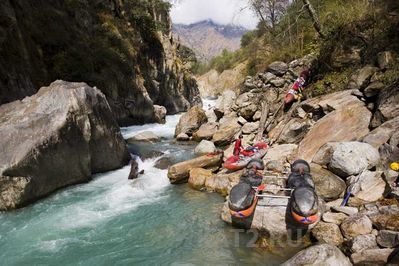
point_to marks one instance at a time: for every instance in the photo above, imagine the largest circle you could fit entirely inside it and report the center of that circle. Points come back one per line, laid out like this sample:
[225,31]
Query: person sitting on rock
[238,146]
[296,91]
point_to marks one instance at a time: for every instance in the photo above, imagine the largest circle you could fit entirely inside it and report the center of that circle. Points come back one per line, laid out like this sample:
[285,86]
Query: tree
[315,18]
[269,11]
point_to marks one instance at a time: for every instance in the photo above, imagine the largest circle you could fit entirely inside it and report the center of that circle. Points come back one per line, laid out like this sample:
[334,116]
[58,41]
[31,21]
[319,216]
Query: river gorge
[147,221]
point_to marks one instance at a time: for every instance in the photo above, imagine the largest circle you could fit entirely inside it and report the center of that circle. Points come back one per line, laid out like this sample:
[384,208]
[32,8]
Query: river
[115,221]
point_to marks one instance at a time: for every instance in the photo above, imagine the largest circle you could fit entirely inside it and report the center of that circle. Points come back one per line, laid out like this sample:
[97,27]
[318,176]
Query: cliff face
[124,47]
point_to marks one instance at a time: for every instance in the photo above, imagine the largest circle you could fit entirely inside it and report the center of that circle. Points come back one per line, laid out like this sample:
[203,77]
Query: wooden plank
[263,120]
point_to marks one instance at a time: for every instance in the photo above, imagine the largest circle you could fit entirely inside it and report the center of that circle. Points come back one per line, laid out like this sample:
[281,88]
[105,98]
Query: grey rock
[55,138]
[350,158]
[206,131]
[335,218]
[242,121]
[225,102]
[278,68]
[183,137]
[257,116]
[373,89]
[356,225]
[249,128]
[383,133]
[387,105]
[361,78]
[191,121]
[204,147]
[328,233]
[277,82]
[227,131]
[160,114]
[368,187]
[344,209]
[388,239]
[363,242]
[294,131]
[328,186]
[323,254]
[146,136]
[371,257]
[134,170]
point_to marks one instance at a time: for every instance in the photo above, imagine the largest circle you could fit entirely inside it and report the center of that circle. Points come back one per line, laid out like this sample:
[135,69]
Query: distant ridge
[208,39]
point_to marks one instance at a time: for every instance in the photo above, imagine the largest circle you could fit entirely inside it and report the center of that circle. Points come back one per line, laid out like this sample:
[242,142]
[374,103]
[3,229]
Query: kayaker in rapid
[296,91]
[238,146]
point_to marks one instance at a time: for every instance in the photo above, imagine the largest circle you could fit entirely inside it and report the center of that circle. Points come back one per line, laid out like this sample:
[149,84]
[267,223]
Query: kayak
[235,163]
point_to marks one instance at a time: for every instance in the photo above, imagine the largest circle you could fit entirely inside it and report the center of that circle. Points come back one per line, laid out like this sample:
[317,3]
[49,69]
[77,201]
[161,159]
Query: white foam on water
[120,196]
[166,130]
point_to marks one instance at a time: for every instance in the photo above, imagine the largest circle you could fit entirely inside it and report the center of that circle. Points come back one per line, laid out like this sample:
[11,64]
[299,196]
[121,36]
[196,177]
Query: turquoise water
[114,221]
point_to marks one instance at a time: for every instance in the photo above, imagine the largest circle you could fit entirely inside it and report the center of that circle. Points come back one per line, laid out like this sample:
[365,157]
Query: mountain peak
[208,38]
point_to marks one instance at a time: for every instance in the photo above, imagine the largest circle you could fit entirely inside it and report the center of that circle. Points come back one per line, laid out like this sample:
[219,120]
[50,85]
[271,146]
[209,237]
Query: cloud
[220,11]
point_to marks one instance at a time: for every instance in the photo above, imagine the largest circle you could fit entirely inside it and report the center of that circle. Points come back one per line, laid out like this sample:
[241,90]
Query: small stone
[182,137]
[335,218]
[257,116]
[249,128]
[242,121]
[344,209]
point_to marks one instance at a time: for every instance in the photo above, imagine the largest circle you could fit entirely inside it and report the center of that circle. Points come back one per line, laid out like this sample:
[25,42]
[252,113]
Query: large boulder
[278,155]
[179,173]
[361,78]
[204,147]
[55,138]
[368,187]
[323,254]
[328,233]
[350,118]
[294,131]
[198,177]
[191,121]
[372,256]
[249,128]
[362,242]
[225,102]
[328,186]
[356,225]
[350,158]
[383,133]
[160,114]
[206,131]
[223,182]
[228,129]
[145,136]
[387,105]
[388,238]
[278,68]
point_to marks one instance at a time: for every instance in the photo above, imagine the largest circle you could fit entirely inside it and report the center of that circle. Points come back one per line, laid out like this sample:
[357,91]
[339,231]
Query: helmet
[257,163]
[395,166]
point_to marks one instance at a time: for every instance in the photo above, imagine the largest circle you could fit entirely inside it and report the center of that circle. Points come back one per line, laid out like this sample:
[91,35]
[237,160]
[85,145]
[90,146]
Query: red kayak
[235,163]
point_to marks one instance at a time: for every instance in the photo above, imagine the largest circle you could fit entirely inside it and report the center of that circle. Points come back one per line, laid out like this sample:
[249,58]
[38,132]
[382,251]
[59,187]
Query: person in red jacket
[238,146]
[295,93]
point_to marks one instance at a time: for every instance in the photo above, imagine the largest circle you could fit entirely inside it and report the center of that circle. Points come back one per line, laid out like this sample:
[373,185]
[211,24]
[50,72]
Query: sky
[220,11]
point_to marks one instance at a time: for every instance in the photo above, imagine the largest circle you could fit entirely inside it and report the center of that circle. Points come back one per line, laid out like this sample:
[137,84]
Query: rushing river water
[115,221]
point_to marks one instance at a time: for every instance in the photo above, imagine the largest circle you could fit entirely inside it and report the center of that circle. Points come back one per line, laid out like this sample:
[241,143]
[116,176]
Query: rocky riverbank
[56,138]
[347,136]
